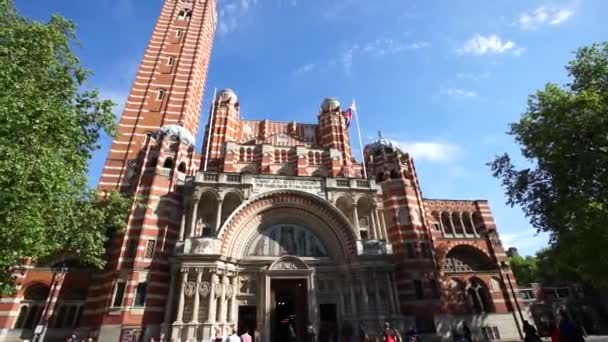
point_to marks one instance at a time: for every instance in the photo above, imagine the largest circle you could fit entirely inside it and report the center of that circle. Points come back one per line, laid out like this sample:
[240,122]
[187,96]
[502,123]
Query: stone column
[452,224]
[341,294]
[384,224]
[381,229]
[222,317]
[472,223]
[197,296]
[182,227]
[193,217]
[169,304]
[218,218]
[393,284]
[212,301]
[374,224]
[233,308]
[365,307]
[391,295]
[356,221]
[182,297]
[377,292]
[464,228]
[353,295]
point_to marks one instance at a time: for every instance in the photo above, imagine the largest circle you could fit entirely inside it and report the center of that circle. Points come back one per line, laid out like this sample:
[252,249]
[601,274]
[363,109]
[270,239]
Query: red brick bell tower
[169,85]
[150,158]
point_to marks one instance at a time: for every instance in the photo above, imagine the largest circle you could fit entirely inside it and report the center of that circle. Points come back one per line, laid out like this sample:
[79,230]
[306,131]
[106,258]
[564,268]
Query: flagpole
[360,143]
[210,128]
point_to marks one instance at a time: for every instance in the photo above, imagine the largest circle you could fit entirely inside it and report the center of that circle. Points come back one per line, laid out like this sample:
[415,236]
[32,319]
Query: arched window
[160,94]
[457,223]
[446,222]
[394,174]
[467,220]
[168,164]
[242,154]
[480,297]
[249,154]
[318,158]
[184,14]
[283,156]
[465,258]
[182,167]
[311,158]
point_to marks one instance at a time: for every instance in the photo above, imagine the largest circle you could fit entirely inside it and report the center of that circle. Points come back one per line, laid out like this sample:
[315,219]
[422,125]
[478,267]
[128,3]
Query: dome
[382,144]
[330,103]
[227,95]
[174,130]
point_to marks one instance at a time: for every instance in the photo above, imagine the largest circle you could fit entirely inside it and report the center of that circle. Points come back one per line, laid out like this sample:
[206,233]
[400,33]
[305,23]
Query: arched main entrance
[280,261]
[290,242]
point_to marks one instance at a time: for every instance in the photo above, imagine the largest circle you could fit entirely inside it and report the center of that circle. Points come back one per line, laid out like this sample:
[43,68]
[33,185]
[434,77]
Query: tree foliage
[564,135]
[49,127]
[525,270]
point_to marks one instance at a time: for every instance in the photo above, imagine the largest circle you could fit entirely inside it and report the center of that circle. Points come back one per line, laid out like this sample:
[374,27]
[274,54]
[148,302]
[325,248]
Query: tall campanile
[169,85]
[150,158]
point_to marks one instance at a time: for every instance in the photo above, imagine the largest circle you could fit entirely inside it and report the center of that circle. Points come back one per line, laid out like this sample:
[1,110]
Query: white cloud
[378,48]
[119,97]
[430,151]
[384,46]
[231,12]
[458,93]
[544,15]
[527,241]
[305,68]
[480,45]
[473,76]
[347,59]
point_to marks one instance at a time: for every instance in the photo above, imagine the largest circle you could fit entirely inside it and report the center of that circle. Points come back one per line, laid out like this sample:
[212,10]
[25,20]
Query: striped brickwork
[168,87]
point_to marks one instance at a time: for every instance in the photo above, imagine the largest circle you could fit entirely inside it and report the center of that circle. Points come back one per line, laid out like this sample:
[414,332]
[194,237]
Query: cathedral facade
[272,227]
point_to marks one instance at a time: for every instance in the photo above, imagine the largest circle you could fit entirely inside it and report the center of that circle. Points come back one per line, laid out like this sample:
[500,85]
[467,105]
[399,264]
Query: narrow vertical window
[119,293]
[160,94]
[411,252]
[131,248]
[150,244]
[140,294]
[178,33]
[418,289]
[170,60]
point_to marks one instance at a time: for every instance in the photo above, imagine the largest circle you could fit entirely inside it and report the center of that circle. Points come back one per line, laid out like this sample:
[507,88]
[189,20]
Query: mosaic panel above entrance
[286,239]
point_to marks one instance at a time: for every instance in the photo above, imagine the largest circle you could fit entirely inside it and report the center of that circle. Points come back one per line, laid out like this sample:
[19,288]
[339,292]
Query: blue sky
[443,78]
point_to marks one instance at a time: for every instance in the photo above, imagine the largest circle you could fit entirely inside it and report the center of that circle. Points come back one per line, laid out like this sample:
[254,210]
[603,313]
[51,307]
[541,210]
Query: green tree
[49,127]
[564,136]
[525,270]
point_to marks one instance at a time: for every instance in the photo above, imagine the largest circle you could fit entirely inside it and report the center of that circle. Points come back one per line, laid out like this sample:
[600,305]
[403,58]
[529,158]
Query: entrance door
[329,322]
[247,319]
[290,311]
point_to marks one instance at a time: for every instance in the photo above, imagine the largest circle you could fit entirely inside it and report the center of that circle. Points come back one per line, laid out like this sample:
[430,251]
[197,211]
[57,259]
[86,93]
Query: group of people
[563,331]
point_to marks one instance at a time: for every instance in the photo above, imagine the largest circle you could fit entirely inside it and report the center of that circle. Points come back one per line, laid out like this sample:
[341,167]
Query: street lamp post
[42,327]
[505,268]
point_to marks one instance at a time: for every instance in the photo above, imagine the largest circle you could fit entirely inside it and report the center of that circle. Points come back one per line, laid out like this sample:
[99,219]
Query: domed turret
[178,131]
[227,95]
[330,104]
[381,145]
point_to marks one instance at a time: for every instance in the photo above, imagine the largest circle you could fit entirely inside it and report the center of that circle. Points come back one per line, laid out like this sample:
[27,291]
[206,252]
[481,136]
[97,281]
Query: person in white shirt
[234,337]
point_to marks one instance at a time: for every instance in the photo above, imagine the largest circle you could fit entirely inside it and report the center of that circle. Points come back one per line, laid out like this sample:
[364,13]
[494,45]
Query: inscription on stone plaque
[268,184]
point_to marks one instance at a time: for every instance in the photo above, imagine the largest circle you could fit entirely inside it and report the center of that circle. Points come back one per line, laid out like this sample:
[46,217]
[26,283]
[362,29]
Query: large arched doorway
[294,243]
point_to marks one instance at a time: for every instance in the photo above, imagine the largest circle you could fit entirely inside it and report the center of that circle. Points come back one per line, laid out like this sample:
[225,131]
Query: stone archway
[291,207]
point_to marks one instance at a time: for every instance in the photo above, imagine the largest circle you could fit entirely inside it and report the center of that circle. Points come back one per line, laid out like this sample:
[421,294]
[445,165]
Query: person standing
[246,337]
[530,334]
[388,334]
[234,337]
[466,332]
